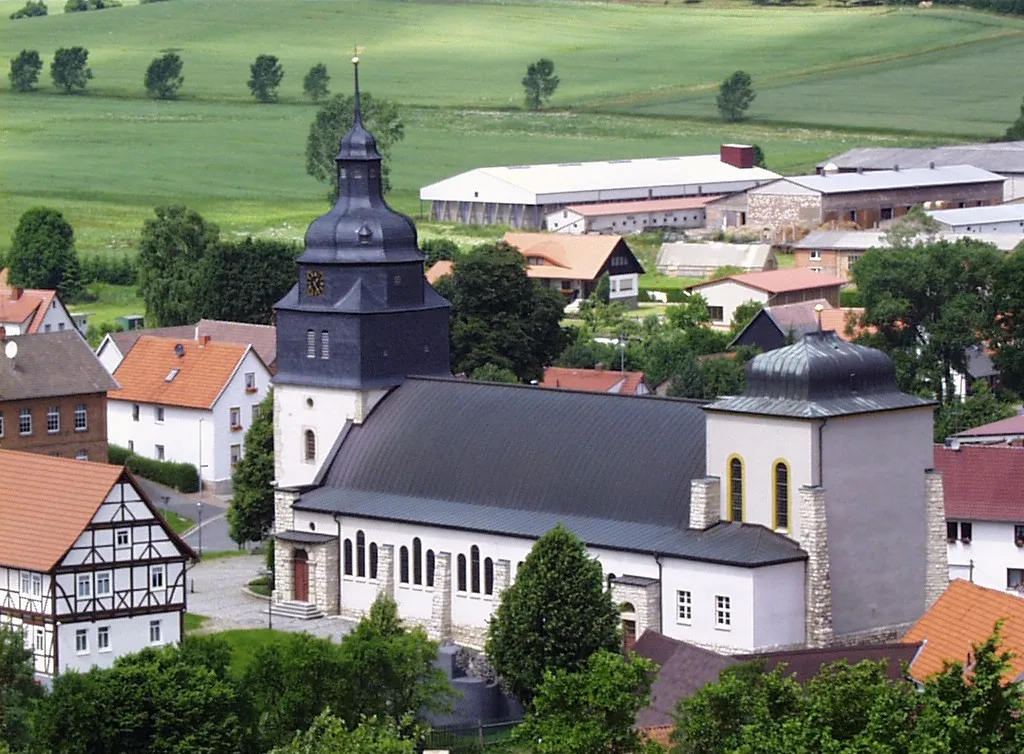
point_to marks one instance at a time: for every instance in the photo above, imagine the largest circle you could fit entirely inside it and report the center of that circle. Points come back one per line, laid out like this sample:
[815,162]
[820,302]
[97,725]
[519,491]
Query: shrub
[25,71]
[851,297]
[184,477]
[80,6]
[29,10]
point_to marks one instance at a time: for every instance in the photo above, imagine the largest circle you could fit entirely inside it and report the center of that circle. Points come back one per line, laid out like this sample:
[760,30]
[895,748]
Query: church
[804,512]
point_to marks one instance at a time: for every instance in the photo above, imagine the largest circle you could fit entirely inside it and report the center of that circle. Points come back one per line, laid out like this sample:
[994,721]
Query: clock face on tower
[315,283]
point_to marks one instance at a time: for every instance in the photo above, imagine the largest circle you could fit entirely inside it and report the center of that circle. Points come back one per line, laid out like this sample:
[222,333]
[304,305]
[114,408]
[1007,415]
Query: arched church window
[417,561]
[474,569]
[310,446]
[461,582]
[373,560]
[360,554]
[488,576]
[310,344]
[735,489]
[781,473]
[609,580]
[430,568]
[325,345]
[403,565]
[348,557]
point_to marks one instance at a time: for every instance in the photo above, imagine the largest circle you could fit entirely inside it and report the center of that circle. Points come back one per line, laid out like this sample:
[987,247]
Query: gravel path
[216,592]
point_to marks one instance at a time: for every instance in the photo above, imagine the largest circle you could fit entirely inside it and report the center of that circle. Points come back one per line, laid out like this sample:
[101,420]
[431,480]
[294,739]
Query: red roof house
[599,380]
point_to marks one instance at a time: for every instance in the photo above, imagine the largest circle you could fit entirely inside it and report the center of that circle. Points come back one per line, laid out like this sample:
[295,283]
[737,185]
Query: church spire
[358,106]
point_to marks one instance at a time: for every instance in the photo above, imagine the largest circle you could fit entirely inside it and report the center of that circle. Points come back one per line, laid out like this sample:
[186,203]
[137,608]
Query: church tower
[361,318]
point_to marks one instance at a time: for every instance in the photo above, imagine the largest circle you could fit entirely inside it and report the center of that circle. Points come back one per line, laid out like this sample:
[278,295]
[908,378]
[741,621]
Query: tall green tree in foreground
[328,735]
[735,95]
[251,512]
[25,71]
[18,688]
[163,76]
[500,316]
[332,122]
[592,709]
[69,69]
[553,617]
[265,75]
[539,83]
[314,85]
[43,253]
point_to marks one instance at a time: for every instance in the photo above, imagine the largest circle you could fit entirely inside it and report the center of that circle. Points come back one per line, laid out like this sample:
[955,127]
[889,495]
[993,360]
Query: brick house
[867,199]
[53,397]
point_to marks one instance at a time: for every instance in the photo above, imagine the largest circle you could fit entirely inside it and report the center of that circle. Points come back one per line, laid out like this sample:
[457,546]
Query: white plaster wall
[325,411]
[705,581]
[565,221]
[1007,226]
[179,433]
[235,395]
[992,551]
[760,442]
[17,328]
[624,286]
[109,355]
[729,295]
[127,635]
[56,318]
[779,605]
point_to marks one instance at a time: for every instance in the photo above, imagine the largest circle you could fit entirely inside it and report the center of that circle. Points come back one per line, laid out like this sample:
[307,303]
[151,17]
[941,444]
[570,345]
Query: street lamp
[199,505]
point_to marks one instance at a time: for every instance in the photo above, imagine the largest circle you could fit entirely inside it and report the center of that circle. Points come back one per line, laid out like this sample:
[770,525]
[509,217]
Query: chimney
[931,165]
[598,367]
[896,168]
[737,155]
[860,171]
[204,340]
[16,293]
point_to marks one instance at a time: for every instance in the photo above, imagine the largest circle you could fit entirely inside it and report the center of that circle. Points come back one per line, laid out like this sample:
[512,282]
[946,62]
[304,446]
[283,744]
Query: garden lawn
[180,524]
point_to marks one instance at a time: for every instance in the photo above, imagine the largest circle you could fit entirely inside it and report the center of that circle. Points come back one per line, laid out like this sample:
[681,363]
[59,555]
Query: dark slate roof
[628,580]
[50,365]
[807,663]
[307,537]
[820,376]
[519,460]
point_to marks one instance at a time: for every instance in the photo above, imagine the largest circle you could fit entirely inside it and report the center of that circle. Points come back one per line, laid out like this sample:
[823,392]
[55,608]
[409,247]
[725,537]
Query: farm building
[1005,158]
[1003,218]
[629,217]
[866,199]
[523,195]
[772,288]
[694,260]
[836,251]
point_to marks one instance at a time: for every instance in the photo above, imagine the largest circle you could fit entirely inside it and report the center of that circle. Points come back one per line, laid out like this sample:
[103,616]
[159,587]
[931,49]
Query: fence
[471,739]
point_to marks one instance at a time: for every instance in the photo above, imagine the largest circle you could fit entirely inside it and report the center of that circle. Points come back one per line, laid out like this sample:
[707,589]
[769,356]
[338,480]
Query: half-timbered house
[89,571]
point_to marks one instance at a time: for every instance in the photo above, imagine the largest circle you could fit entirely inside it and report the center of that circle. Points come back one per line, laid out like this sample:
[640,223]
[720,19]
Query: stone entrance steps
[297,609]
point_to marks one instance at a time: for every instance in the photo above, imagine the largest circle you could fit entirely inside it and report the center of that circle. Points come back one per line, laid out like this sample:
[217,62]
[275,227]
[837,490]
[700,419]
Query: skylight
[171,375]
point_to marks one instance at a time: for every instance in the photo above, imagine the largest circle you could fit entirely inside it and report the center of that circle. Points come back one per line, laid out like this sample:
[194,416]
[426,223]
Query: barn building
[1003,218]
[629,217]
[524,195]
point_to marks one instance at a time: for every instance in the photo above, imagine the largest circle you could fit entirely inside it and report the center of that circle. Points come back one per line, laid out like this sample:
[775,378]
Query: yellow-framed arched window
[780,494]
[736,491]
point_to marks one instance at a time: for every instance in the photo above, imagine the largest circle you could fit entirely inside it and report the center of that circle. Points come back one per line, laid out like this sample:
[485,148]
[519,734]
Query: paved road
[215,526]
[216,592]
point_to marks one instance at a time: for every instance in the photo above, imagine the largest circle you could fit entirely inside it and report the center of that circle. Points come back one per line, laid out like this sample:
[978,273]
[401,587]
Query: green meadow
[637,80]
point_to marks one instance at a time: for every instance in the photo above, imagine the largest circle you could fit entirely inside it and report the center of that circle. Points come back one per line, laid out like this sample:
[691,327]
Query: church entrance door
[300,564]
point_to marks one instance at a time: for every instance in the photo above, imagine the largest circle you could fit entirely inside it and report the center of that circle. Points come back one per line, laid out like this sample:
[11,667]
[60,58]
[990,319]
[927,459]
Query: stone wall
[705,502]
[439,628]
[282,570]
[778,210]
[645,599]
[324,577]
[818,586]
[284,516]
[937,554]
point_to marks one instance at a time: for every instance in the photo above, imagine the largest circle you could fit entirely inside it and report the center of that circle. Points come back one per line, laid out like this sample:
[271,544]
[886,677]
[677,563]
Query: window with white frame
[122,538]
[815,255]
[156,577]
[31,584]
[155,633]
[255,411]
[135,412]
[82,641]
[25,421]
[235,414]
[40,640]
[103,638]
[81,418]
[250,382]
[103,584]
[684,603]
[159,452]
[159,411]
[53,419]
[236,454]
[131,446]
[82,455]
[723,612]
[84,589]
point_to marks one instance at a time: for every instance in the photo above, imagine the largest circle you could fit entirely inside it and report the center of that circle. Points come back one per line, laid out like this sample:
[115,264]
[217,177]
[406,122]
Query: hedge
[184,477]
[851,297]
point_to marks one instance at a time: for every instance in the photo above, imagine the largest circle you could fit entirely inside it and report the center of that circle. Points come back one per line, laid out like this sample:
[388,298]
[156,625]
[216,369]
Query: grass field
[637,80]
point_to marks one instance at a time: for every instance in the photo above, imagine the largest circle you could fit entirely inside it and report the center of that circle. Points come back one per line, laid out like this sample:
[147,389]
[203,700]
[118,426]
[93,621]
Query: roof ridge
[520,385]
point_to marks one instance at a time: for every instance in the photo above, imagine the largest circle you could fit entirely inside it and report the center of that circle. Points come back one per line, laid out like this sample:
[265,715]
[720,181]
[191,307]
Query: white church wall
[760,442]
[779,605]
[706,583]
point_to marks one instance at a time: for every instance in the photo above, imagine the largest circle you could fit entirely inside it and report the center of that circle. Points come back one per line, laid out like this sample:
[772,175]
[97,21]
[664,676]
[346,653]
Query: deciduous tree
[69,69]
[315,83]
[241,280]
[332,122]
[251,512]
[25,71]
[735,95]
[163,77]
[42,253]
[18,688]
[961,414]
[438,249]
[1016,129]
[553,617]
[265,76]
[539,83]
[30,9]
[592,709]
[328,735]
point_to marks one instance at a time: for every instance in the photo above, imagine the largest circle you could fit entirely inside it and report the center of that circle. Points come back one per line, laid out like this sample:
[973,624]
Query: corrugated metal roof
[999,213]
[882,180]
[604,209]
[862,240]
[999,157]
[714,254]
[820,376]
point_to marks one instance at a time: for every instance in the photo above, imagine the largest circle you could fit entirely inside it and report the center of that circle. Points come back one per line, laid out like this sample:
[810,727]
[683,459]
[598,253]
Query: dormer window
[365,234]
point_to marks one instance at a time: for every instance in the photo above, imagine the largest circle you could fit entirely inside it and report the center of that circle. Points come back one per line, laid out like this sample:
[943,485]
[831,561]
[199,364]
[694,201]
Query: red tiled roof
[30,301]
[203,372]
[965,615]
[982,482]
[784,281]
[439,269]
[1012,426]
[45,503]
[592,380]
[642,205]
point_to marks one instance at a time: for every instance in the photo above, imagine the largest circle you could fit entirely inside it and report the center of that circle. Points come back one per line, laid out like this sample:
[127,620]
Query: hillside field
[637,80]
